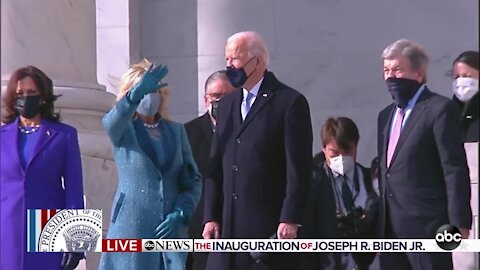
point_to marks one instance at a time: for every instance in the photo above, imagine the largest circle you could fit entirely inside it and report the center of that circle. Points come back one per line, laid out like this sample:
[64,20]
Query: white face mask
[342,164]
[465,88]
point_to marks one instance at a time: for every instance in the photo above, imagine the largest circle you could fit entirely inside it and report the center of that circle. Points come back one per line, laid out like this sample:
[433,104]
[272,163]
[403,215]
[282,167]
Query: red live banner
[122,245]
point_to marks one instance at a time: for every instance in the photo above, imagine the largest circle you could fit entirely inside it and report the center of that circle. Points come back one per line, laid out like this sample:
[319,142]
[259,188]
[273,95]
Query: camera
[352,225]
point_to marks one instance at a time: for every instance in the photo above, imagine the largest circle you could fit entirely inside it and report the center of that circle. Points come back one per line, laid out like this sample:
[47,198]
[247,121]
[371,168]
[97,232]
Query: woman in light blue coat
[159,184]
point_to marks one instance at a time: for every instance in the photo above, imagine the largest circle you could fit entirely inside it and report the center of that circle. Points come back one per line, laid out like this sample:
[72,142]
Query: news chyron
[147,245]
[80,230]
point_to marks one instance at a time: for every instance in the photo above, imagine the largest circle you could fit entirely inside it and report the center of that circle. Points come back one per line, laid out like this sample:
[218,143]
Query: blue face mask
[149,104]
[238,76]
[402,90]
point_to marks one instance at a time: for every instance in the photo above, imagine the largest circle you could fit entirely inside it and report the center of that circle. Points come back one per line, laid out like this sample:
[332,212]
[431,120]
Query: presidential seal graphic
[72,230]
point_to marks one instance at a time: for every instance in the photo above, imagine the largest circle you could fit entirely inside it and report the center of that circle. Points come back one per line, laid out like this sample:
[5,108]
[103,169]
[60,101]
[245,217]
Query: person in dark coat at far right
[424,178]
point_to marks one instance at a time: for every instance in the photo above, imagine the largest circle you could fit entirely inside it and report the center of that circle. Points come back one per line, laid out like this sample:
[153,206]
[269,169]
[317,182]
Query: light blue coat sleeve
[118,118]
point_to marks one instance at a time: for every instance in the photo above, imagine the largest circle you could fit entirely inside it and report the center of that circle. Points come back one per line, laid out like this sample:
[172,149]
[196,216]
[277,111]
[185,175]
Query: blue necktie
[246,105]
[347,196]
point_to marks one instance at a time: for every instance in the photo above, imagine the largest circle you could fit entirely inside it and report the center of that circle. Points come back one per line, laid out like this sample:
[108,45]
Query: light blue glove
[169,226]
[150,82]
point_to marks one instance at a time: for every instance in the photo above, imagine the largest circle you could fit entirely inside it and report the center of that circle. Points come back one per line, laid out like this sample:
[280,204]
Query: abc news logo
[149,245]
[168,245]
[448,237]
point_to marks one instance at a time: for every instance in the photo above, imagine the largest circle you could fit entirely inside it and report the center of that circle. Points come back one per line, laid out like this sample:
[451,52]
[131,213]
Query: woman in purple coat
[40,169]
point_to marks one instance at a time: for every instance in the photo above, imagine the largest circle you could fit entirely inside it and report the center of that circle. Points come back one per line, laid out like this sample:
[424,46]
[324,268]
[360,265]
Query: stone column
[59,37]
[116,40]
[168,35]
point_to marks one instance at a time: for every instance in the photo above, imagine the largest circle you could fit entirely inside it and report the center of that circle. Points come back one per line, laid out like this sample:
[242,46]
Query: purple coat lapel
[47,133]
[10,134]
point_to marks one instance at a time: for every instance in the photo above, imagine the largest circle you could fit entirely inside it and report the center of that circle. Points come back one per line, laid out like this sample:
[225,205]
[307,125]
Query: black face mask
[238,76]
[214,112]
[28,106]
[402,90]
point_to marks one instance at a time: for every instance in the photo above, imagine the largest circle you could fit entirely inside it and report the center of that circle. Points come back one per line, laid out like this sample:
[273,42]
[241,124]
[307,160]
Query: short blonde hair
[133,75]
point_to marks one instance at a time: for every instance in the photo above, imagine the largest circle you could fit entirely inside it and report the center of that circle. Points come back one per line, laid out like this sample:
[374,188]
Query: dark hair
[470,58]
[44,85]
[342,130]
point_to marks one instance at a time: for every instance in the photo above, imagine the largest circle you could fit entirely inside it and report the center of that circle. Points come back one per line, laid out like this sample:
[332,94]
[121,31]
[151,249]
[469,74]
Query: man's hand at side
[287,231]
[211,230]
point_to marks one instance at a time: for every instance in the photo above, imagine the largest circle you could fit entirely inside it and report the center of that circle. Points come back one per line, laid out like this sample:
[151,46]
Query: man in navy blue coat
[261,158]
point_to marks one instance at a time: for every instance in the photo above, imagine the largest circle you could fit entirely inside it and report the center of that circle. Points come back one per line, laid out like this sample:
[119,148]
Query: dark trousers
[413,261]
[416,261]
[196,261]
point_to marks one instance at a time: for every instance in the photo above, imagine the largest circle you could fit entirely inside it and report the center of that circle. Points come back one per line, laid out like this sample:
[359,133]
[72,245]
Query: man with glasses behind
[200,132]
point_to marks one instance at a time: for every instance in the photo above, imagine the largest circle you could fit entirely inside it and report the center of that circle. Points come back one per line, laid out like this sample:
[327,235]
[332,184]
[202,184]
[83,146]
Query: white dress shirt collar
[254,89]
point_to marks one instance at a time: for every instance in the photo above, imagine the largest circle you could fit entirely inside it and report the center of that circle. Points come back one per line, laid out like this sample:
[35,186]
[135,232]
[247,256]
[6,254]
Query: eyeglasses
[214,96]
